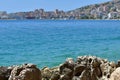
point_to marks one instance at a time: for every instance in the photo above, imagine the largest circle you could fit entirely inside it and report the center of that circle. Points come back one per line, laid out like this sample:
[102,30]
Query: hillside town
[108,10]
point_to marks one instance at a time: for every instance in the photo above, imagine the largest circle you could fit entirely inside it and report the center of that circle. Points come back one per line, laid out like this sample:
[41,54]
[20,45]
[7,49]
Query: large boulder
[115,75]
[86,68]
[79,69]
[55,76]
[46,73]
[50,73]
[67,69]
[5,73]
[25,72]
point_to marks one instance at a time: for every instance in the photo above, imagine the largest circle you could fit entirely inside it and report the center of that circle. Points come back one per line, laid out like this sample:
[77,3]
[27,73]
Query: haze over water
[49,43]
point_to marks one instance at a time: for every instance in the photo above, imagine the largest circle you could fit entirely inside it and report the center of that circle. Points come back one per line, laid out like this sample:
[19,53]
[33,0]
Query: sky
[47,5]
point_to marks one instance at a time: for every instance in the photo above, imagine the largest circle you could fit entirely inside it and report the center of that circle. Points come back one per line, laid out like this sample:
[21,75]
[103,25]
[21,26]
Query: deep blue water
[49,43]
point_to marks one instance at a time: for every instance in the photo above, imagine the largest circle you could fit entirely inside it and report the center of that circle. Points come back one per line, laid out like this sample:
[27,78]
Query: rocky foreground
[84,68]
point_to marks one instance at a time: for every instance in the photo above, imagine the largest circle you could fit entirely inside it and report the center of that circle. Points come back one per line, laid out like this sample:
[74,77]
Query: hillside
[107,10]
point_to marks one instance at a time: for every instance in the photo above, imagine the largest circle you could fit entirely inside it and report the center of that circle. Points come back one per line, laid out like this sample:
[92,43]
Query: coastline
[83,68]
[59,19]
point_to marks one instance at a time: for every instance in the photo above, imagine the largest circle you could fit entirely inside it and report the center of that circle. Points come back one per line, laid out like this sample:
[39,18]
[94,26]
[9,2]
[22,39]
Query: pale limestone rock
[115,75]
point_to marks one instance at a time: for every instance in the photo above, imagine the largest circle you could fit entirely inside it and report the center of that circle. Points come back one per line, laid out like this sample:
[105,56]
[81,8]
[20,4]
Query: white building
[3,15]
[113,15]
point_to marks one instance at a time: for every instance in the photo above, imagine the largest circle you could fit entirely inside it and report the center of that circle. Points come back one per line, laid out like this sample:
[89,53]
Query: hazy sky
[27,5]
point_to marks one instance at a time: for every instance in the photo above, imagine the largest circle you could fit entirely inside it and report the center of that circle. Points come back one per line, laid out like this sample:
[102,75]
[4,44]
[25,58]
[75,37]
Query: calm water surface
[49,43]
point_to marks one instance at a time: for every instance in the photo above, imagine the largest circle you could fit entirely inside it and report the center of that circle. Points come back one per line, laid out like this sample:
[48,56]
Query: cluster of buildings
[36,14]
[3,15]
[108,10]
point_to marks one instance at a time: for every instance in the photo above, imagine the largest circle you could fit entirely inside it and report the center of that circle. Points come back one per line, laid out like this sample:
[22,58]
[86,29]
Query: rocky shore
[83,68]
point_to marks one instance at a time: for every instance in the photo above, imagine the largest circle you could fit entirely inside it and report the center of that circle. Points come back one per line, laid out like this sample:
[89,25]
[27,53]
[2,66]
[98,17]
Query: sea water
[50,42]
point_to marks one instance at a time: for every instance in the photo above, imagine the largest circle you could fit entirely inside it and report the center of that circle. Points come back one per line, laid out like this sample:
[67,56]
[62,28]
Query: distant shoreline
[59,19]
[108,10]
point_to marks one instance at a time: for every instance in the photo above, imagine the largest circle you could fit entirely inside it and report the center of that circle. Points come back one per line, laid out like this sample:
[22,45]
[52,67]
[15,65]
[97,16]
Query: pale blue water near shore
[49,43]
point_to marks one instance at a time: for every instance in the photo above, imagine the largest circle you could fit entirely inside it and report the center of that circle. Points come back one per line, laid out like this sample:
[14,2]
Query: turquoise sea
[50,42]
